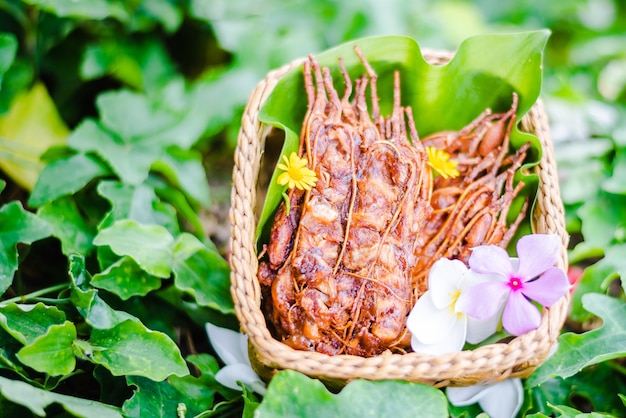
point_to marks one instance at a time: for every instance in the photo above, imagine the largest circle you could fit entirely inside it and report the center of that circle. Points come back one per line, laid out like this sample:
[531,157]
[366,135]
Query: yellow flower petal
[296,173]
[440,162]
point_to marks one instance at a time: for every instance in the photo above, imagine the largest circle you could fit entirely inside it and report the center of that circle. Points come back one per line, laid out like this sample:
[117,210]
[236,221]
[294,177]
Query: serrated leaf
[68,225]
[184,168]
[484,73]
[28,322]
[52,352]
[130,159]
[37,400]
[27,130]
[16,225]
[291,394]
[576,351]
[149,245]
[66,176]
[139,203]
[130,348]
[202,272]
[126,278]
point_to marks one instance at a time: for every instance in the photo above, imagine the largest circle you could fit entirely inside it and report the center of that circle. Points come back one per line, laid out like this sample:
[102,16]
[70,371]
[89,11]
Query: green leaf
[66,176]
[52,352]
[603,219]
[130,348]
[37,400]
[576,351]
[152,399]
[93,9]
[31,126]
[28,322]
[149,245]
[68,225]
[139,203]
[596,386]
[162,399]
[484,73]
[202,272]
[292,394]
[129,158]
[126,278]
[16,225]
[597,278]
[617,182]
[97,313]
[184,168]
[8,48]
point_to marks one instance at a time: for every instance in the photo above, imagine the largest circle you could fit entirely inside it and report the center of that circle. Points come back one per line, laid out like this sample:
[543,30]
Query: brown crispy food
[346,263]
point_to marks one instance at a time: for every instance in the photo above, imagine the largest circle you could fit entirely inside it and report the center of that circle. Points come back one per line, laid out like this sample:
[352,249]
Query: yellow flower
[439,160]
[296,174]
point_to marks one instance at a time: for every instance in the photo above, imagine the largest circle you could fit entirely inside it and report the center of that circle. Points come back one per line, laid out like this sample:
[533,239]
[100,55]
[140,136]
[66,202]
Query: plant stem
[35,294]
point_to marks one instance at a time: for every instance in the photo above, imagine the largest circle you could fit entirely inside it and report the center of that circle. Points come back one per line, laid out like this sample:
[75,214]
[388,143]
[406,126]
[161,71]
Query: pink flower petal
[537,253]
[520,316]
[483,300]
[490,259]
[548,288]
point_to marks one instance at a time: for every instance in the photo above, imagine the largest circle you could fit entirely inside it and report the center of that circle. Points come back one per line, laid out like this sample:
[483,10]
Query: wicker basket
[490,363]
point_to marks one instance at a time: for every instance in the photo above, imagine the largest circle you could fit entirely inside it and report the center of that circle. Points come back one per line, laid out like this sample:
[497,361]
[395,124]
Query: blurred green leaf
[28,322]
[184,169]
[8,48]
[126,279]
[202,272]
[66,176]
[52,352]
[37,400]
[149,245]
[291,394]
[576,351]
[617,182]
[16,225]
[68,225]
[27,130]
[138,203]
[604,220]
[92,9]
[130,348]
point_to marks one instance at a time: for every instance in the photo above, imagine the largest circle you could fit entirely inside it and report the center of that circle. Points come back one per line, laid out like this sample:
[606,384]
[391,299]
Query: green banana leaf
[484,73]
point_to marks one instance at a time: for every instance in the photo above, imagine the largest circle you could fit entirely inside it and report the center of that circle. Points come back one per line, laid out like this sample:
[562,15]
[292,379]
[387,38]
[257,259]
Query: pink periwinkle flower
[532,276]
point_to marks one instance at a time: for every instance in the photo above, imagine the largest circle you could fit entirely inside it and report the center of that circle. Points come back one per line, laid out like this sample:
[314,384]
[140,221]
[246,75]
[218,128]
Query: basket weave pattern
[490,363]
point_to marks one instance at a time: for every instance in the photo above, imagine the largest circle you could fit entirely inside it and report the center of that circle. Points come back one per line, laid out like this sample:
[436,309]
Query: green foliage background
[118,120]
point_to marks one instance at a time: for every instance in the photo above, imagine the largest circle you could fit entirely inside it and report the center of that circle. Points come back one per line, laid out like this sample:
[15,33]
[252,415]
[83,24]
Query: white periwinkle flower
[436,325]
[499,400]
[232,348]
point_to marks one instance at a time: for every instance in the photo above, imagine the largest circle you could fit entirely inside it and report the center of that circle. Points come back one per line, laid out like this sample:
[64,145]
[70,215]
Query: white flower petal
[228,344]
[503,400]
[478,330]
[231,374]
[444,280]
[429,324]
[464,395]
[499,400]
[452,343]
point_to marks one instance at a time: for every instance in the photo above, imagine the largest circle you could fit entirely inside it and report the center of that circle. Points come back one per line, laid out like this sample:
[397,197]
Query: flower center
[295,173]
[515,283]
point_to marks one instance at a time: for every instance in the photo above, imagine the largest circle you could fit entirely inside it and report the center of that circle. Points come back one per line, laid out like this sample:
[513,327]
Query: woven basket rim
[488,363]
